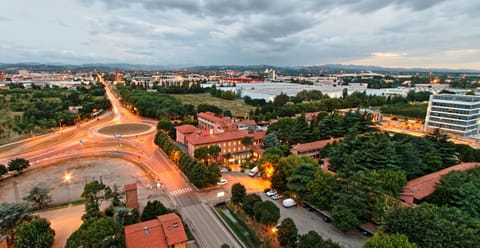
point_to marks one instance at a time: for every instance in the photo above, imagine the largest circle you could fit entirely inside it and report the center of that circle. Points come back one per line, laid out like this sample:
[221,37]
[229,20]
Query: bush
[36,233]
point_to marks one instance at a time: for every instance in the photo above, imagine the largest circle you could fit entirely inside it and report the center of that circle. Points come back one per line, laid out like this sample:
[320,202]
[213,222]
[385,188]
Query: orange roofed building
[166,231]
[311,149]
[420,188]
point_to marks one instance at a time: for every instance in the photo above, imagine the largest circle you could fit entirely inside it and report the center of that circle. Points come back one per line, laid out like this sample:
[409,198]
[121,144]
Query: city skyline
[410,34]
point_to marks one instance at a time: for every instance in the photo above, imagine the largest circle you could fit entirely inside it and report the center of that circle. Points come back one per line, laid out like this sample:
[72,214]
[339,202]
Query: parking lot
[304,219]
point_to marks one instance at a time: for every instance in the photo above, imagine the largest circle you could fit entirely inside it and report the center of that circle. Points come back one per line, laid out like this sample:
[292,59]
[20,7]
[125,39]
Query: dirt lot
[112,170]
[125,129]
[238,107]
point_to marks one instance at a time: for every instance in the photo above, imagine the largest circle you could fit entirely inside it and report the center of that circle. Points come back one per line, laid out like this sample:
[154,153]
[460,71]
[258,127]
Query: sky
[388,33]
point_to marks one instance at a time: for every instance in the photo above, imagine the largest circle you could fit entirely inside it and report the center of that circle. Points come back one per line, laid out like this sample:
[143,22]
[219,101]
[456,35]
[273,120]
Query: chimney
[145,229]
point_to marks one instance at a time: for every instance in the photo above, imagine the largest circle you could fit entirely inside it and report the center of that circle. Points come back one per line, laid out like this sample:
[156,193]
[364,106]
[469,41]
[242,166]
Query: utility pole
[15,190]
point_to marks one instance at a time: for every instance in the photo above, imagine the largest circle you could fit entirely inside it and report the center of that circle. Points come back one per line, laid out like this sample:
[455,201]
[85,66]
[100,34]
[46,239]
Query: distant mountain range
[332,68]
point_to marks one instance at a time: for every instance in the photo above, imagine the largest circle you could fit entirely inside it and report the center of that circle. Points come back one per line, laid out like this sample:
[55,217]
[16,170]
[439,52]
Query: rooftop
[420,188]
[196,139]
[164,231]
[186,129]
[313,145]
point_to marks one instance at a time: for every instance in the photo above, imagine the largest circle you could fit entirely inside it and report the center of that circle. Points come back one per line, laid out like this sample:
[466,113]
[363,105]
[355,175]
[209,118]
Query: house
[311,149]
[229,142]
[208,121]
[131,197]
[184,130]
[166,231]
[420,188]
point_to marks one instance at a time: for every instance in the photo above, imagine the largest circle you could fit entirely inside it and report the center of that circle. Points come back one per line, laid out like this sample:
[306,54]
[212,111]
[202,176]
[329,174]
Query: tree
[287,233]
[120,215]
[38,197]
[18,164]
[92,188]
[428,226]
[313,240]
[13,213]
[164,124]
[320,190]
[154,209]
[301,175]
[3,170]
[270,140]
[114,195]
[238,193]
[266,212]
[35,233]
[92,208]
[247,141]
[249,203]
[382,240]
[102,232]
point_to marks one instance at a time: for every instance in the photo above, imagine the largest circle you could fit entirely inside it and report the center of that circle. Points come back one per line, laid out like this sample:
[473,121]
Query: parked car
[277,197]
[289,202]
[271,193]
[253,171]
[266,190]
[223,170]
[222,181]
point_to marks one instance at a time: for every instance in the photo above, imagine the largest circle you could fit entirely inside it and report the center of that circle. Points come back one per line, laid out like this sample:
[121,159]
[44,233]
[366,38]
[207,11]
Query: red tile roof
[145,234]
[196,139]
[420,188]
[131,186]
[161,232]
[257,149]
[313,145]
[173,228]
[187,129]
[211,117]
[258,135]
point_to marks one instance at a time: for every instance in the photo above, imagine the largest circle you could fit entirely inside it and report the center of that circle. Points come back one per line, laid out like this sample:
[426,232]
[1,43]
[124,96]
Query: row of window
[456,105]
[455,116]
[461,98]
[456,111]
[449,121]
[452,127]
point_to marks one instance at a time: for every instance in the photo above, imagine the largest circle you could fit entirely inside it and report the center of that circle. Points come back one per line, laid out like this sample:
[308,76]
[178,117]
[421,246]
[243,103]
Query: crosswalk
[180,191]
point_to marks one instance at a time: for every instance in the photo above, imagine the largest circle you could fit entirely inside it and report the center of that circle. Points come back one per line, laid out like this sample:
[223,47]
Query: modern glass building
[457,115]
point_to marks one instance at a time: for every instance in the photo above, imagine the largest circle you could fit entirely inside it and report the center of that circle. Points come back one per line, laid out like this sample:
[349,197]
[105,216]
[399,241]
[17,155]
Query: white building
[458,115]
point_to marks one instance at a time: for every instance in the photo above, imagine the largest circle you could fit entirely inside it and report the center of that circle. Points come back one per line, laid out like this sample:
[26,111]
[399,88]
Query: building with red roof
[184,130]
[420,188]
[214,124]
[311,149]
[166,231]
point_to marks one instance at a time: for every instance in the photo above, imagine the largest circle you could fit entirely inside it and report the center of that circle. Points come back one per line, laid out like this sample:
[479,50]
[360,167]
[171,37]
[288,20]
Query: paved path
[64,222]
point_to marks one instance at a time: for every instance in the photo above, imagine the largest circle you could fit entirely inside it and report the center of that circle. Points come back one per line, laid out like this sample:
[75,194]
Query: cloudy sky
[391,33]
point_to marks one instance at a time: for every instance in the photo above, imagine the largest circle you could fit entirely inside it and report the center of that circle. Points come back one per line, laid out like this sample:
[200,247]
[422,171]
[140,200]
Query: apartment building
[457,115]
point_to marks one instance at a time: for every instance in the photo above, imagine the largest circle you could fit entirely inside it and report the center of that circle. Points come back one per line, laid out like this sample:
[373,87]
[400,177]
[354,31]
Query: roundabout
[125,129]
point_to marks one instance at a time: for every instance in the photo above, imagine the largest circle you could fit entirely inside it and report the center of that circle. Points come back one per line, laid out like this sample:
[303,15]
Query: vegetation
[35,110]
[199,174]
[313,240]
[418,111]
[432,226]
[237,107]
[38,197]
[12,214]
[457,189]
[18,164]
[287,233]
[383,240]
[266,212]
[3,170]
[97,232]
[35,233]
[416,156]
[154,209]
[238,193]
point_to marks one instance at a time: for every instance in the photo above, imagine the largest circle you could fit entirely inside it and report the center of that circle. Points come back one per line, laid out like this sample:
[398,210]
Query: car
[271,193]
[222,181]
[289,202]
[266,190]
[224,170]
[277,197]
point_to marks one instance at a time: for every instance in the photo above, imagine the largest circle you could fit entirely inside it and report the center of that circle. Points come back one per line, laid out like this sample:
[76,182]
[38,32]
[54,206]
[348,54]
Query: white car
[271,193]
[289,202]
[222,181]
[277,197]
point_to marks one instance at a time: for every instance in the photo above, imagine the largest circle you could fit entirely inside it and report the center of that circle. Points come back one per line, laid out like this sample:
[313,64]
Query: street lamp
[67,178]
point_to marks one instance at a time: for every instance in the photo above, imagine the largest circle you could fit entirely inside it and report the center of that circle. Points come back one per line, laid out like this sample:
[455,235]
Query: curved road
[81,140]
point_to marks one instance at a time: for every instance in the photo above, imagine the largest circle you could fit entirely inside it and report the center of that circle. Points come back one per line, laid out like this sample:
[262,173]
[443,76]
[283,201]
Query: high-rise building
[457,115]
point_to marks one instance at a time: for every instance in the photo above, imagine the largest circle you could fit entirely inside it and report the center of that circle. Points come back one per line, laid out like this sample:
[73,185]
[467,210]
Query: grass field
[237,107]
